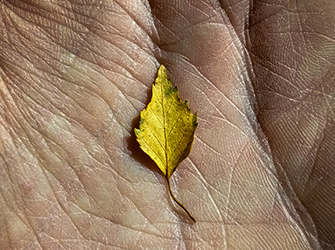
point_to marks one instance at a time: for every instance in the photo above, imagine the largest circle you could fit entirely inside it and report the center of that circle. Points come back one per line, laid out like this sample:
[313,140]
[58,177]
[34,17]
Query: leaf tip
[162,72]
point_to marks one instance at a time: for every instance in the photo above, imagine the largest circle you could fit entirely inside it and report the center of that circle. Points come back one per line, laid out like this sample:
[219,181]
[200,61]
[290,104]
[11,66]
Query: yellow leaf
[167,128]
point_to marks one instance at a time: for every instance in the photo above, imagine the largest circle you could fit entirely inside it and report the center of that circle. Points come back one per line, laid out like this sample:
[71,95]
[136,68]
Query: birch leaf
[167,128]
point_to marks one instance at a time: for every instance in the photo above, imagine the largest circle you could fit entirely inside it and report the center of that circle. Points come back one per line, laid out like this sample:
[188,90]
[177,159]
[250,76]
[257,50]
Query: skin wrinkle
[208,183]
[161,235]
[233,165]
[283,112]
[215,87]
[69,131]
[28,219]
[207,146]
[323,136]
[276,74]
[132,17]
[60,203]
[5,200]
[54,105]
[93,92]
[96,215]
[203,180]
[200,180]
[311,109]
[223,117]
[191,233]
[56,114]
[109,41]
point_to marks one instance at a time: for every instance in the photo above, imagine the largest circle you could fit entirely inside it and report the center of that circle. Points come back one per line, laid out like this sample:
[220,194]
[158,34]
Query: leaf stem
[181,205]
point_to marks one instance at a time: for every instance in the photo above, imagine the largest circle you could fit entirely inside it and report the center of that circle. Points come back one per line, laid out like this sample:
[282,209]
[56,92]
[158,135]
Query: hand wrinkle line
[24,211]
[41,27]
[204,181]
[283,96]
[58,76]
[197,235]
[75,226]
[46,13]
[116,48]
[63,208]
[268,17]
[322,35]
[23,39]
[318,58]
[81,107]
[223,117]
[51,37]
[318,148]
[116,86]
[237,4]
[281,115]
[127,12]
[206,145]
[265,166]
[294,223]
[14,117]
[44,135]
[66,93]
[290,35]
[179,14]
[112,170]
[318,55]
[281,77]
[199,180]
[192,229]
[80,35]
[299,23]
[283,112]
[17,121]
[231,177]
[14,212]
[326,97]
[49,91]
[205,121]
[207,80]
[125,97]
[214,8]
[6,225]
[173,35]
[19,87]
[229,29]
[203,21]
[161,235]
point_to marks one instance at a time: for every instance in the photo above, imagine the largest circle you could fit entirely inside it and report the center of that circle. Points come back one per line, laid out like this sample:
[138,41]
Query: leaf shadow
[134,147]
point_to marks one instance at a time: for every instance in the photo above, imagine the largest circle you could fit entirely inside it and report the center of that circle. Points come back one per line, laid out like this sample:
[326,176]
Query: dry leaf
[167,128]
